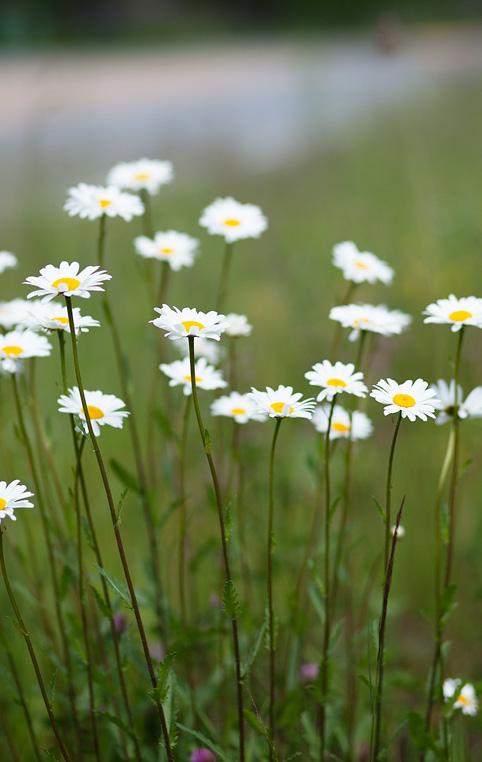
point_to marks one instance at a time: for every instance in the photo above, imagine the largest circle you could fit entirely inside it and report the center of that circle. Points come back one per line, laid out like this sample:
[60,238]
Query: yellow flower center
[357,321]
[231,222]
[361,265]
[404,400]
[94,412]
[189,378]
[12,351]
[142,176]
[336,382]
[188,324]
[3,503]
[63,320]
[341,427]
[104,202]
[463,699]
[238,410]
[70,283]
[460,315]
[166,250]
[281,407]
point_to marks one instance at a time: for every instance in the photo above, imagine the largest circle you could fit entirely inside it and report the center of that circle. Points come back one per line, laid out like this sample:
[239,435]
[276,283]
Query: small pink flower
[214,600]
[156,651]
[202,755]
[120,622]
[309,671]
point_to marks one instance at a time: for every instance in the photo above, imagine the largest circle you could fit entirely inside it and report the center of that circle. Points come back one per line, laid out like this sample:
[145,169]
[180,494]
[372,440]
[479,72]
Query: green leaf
[380,510]
[101,603]
[228,520]
[116,585]
[231,602]
[422,739]
[205,742]
[118,723]
[128,480]
[256,723]
[333,507]
[448,603]
[246,667]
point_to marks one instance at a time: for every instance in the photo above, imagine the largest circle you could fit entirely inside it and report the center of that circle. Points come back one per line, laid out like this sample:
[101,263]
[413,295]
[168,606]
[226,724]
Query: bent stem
[228,580]
[223,281]
[33,657]
[118,538]
[270,550]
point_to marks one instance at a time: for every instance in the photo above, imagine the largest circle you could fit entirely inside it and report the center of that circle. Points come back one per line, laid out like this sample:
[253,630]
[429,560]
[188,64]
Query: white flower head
[466,700]
[455,312]
[89,202]
[13,496]
[14,313]
[22,344]
[54,317]
[103,409]
[67,280]
[282,403]
[177,249]
[207,348]
[472,405]
[449,687]
[7,260]
[399,531]
[360,266]
[335,378]
[413,399]
[368,317]
[143,174]
[239,407]
[8,366]
[237,325]
[179,324]
[445,393]
[344,425]
[179,374]
[233,220]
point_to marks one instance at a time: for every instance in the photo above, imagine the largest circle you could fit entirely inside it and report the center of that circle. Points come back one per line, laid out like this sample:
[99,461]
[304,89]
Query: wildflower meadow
[215,548]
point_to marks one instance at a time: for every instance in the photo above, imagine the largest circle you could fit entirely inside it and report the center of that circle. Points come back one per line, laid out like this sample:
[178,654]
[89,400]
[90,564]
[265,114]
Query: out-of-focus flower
[54,317]
[344,425]
[240,407]
[143,174]
[15,313]
[7,260]
[360,266]
[368,317]
[177,249]
[23,344]
[203,755]
[309,671]
[233,220]
[179,373]
[335,378]
[237,325]
[282,403]
[89,202]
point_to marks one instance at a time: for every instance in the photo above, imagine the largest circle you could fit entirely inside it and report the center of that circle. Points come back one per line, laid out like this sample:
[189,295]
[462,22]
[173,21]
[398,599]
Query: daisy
[282,403]
[177,249]
[54,317]
[144,174]
[207,348]
[413,399]
[89,202]
[360,266]
[178,324]
[7,260]
[14,313]
[455,312]
[233,220]
[240,407]
[336,378]
[68,280]
[367,317]
[343,425]
[9,366]
[472,405]
[179,373]
[23,344]
[449,687]
[13,496]
[104,409]
[465,698]
[445,394]
[237,325]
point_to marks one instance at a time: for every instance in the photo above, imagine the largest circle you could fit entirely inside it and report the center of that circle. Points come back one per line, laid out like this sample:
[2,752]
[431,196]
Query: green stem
[223,281]
[22,700]
[388,493]
[271,620]
[335,345]
[183,509]
[117,535]
[33,657]
[206,441]
[147,226]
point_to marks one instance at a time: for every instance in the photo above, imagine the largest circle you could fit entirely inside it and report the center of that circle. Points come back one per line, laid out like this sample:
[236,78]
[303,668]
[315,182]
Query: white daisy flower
[413,399]
[336,378]
[8,366]
[12,496]
[55,317]
[360,266]
[282,403]
[89,202]
[179,373]
[472,405]
[399,531]
[14,313]
[449,687]
[238,406]
[144,174]
[368,317]
[466,700]
[7,260]
[233,220]
[455,312]
[445,394]
[178,324]
[177,249]
[23,344]
[104,409]
[237,325]
[343,425]
[207,348]
[67,280]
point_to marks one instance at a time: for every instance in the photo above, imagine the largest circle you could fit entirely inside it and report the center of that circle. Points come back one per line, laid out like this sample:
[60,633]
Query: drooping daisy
[54,317]
[14,313]
[89,202]
[413,399]
[237,325]
[12,496]
[336,378]
[143,174]
[238,406]
[179,373]
[23,344]
[343,425]
[7,260]
[455,312]
[207,348]
[233,220]
[445,393]
[104,409]
[177,249]
[368,317]
[67,280]
[282,402]
[179,324]
[360,266]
